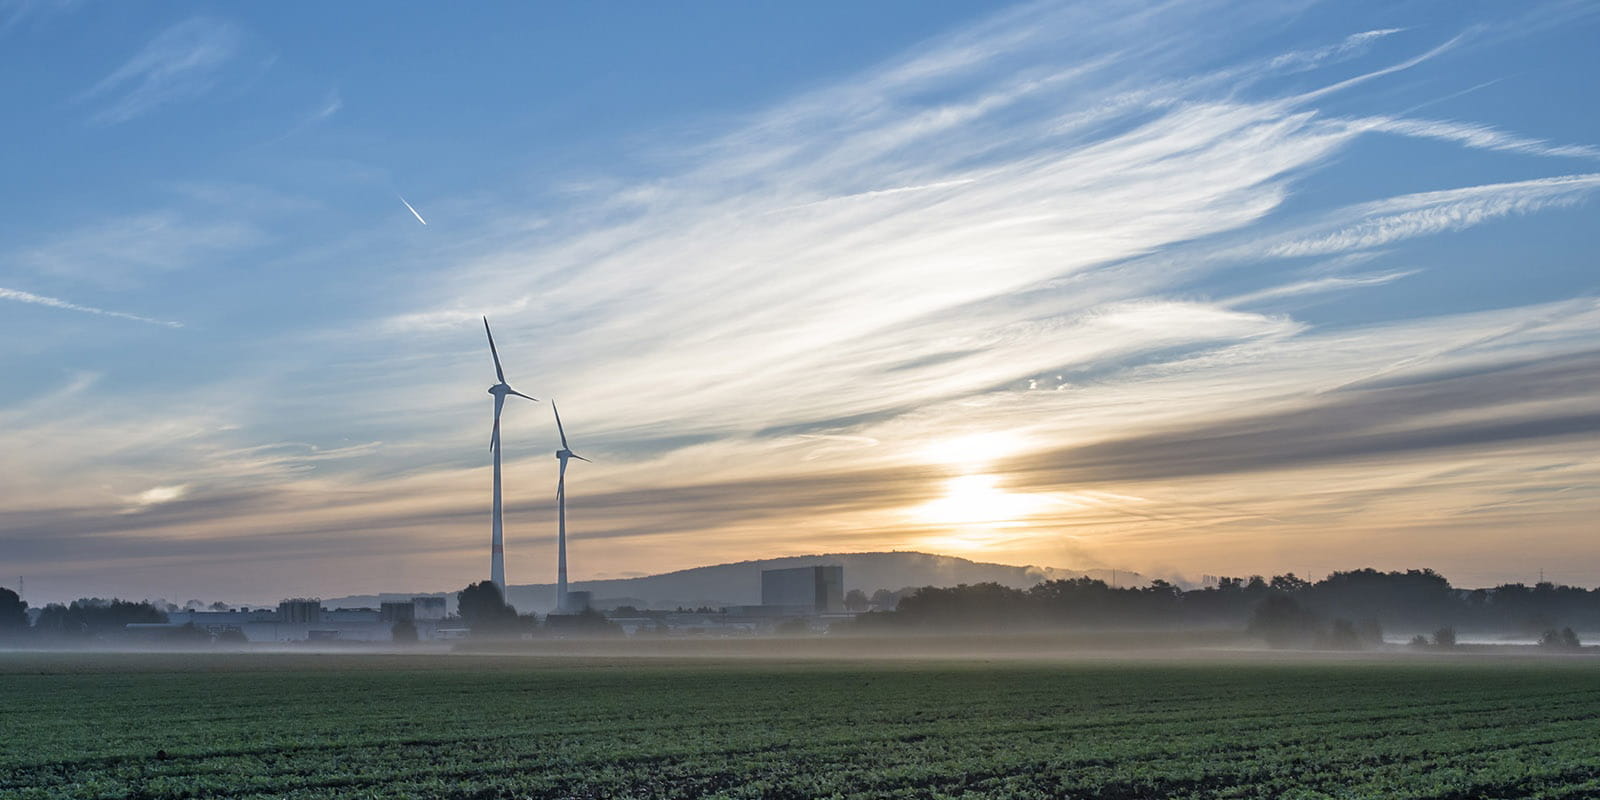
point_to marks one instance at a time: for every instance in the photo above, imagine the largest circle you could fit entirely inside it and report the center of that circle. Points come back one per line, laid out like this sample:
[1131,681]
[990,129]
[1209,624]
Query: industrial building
[302,619]
[804,590]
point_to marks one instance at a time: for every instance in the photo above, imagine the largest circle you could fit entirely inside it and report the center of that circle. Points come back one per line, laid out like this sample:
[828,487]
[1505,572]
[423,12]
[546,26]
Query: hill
[740,583]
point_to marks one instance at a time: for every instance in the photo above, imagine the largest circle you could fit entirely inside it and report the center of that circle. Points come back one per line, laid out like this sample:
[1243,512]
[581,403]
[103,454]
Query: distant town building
[427,608]
[806,590]
[301,619]
[398,612]
[300,610]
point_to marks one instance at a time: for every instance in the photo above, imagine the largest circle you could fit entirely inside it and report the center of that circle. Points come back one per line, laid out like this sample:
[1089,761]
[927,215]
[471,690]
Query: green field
[308,726]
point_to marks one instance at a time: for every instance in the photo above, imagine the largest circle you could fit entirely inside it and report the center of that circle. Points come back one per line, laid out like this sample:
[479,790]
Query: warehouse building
[804,590]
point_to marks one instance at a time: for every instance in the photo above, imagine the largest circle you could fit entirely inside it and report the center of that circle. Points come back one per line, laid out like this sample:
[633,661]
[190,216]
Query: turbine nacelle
[565,452]
[501,390]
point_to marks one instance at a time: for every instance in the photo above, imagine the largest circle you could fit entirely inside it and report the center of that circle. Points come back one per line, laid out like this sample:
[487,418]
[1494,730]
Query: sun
[978,500]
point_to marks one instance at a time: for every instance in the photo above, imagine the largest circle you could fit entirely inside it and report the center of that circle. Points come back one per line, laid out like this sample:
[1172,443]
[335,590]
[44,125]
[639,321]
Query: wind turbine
[497,550]
[562,455]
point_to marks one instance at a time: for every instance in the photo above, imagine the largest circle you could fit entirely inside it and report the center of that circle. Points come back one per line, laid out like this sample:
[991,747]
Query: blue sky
[1191,287]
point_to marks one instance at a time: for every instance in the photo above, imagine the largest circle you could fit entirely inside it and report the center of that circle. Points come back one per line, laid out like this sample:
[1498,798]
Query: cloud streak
[55,302]
[179,64]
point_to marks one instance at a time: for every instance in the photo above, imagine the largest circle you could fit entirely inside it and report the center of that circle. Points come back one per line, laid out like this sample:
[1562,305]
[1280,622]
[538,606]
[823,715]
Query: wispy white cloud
[1318,285]
[117,252]
[1410,216]
[55,302]
[181,63]
[156,495]
[1482,137]
[1353,45]
[1379,73]
[18,13]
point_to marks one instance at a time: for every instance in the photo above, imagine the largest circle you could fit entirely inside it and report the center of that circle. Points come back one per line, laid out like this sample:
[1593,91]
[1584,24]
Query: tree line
[1362,602]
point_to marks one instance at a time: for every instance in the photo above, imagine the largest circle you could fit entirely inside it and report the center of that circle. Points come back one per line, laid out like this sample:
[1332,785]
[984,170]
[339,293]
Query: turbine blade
[520,394]
[494,436]
[581,458]
[498,372]
[558,426]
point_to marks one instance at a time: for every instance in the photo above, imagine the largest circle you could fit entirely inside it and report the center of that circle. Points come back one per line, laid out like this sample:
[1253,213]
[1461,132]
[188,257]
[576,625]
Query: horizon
[1174,289]
[1182,582]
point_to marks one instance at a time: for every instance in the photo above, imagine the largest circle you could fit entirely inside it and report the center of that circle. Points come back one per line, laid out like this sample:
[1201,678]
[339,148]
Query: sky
[1189,287]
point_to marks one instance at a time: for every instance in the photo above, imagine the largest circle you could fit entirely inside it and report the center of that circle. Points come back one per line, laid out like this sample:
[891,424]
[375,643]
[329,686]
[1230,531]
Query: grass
[309,726]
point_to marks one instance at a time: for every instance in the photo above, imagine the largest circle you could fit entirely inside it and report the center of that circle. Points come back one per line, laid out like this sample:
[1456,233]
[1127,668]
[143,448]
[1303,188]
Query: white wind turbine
[497,551]
[563,455]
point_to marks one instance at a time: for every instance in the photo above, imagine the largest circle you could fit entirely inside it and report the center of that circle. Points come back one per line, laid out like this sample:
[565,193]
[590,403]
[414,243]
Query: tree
[94,616]
[1444,637]
[219,606]
[1282,622]
[885,600]
[404,632]
[1370,632]
[13,613]
[1342,636]
[483,608]
[856,600]
[1289,584]
[1564,639]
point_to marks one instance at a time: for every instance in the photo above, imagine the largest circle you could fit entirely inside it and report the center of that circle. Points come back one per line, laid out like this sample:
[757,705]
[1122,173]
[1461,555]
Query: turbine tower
[562,455]
[497,549]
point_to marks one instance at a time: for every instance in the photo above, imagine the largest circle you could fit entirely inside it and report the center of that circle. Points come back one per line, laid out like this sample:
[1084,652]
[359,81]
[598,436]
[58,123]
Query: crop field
[308,726]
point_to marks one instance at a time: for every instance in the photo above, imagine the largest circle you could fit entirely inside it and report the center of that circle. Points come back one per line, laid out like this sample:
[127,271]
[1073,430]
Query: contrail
[55,302]
[412,210]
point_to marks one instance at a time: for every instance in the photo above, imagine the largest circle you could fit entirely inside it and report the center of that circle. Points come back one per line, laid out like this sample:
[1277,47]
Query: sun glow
[977,500]
[973,451]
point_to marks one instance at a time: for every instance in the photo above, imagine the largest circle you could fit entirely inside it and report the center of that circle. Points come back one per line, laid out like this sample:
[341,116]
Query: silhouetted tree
[13,614]
[1444,637]
[1289,584]
[93,616]
[885,600]
[856,600]
[483,608]
[982,605]
[1342,635]
[1564,639]
[1370,632]
[1282,622]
